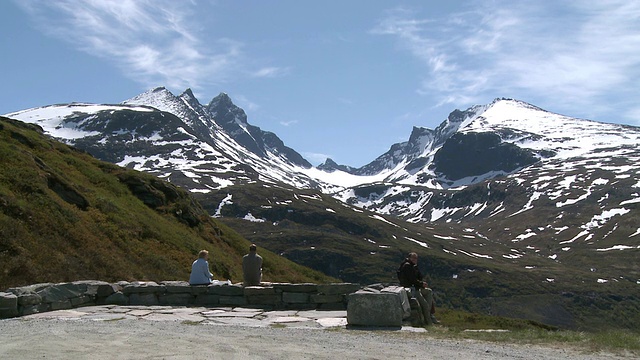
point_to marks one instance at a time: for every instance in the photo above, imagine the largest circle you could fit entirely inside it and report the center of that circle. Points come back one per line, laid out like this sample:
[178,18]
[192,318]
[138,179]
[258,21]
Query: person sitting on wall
[410,277]
[252,267]
[200,274]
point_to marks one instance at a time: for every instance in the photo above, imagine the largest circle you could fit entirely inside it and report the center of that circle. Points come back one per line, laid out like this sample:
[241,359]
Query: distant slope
[66,216]
[477,270]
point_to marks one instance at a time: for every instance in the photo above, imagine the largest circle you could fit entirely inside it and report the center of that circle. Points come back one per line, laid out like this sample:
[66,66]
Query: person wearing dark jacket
[410,277]
[252,267]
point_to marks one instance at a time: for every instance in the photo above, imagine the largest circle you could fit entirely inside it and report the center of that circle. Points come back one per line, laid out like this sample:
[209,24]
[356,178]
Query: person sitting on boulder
[200,274]
[410,277]
[252,267]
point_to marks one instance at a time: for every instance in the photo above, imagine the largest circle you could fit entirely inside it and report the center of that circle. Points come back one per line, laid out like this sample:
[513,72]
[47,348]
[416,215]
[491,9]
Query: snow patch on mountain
[558,131]
[340,178]
[226,201]
[54,118]
[619,247]
[250,217]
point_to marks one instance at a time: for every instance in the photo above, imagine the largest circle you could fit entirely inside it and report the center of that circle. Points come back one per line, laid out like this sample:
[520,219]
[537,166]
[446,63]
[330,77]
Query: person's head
[253,248]
[203,254]
[413,257]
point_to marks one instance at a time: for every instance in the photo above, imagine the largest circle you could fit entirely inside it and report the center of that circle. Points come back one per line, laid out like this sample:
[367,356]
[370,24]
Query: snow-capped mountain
[511,173]
[206,148]
[504,138]
[202,148]
[492,140]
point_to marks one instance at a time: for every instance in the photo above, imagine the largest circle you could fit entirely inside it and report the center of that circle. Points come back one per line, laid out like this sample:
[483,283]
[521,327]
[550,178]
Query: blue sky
[343,79]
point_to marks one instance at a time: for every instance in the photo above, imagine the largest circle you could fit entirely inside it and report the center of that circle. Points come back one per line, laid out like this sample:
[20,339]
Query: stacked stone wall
[38,298]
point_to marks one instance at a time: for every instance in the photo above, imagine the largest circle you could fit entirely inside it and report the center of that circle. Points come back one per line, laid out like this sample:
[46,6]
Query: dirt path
[137,339]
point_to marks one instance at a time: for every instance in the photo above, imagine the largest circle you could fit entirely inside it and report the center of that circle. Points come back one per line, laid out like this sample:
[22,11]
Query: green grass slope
[66,216]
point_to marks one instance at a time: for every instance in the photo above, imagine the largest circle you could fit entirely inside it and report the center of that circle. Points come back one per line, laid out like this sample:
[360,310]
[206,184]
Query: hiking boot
[434,320]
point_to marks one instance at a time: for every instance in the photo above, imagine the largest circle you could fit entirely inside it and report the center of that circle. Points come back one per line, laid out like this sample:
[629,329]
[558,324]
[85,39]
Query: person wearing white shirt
[200,274]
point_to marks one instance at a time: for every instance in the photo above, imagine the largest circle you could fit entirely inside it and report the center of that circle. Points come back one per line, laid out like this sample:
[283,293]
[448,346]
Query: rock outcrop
[387,307]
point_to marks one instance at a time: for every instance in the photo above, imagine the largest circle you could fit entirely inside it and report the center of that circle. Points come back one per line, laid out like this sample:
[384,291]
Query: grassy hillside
[66,216]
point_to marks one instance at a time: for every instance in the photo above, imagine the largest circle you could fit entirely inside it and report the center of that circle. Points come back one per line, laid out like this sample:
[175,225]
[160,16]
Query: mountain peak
[158,89]
[330,166]
[154,97]
[419,131]
[190,99]
[222,99]
[225,111]
[188,93]
[512,102]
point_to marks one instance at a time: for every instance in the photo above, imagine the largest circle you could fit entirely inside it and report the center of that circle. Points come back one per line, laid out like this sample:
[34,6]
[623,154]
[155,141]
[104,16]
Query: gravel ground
[137,339]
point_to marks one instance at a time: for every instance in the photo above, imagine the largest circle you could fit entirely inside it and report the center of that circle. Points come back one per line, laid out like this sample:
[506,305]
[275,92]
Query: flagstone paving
[219,315]
[239,316]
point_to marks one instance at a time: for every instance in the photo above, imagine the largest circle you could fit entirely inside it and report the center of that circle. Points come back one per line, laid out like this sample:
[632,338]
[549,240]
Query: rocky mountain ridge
[175,138]
[507,158]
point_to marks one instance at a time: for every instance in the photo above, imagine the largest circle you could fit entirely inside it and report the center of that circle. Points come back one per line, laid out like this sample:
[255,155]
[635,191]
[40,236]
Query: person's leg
[424,305]
[427,294]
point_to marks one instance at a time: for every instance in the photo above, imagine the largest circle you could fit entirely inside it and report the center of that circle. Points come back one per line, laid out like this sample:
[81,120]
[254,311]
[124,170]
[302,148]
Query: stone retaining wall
[48,297]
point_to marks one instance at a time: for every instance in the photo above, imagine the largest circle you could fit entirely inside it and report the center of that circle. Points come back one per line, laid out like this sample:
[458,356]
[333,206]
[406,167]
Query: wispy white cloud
[526,49]
[154,42]
[270,72]
[288,123]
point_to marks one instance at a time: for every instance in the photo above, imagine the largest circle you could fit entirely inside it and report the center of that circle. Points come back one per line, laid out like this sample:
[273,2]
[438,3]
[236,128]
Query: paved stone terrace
[243,316]
[239,316]
[271,304]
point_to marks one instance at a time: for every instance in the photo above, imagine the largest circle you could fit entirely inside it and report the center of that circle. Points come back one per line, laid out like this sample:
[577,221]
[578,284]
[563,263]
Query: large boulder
[29,289]
[375,308]
[62,293]
[404,295]
[99,289]
[8,305]
[28,299]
